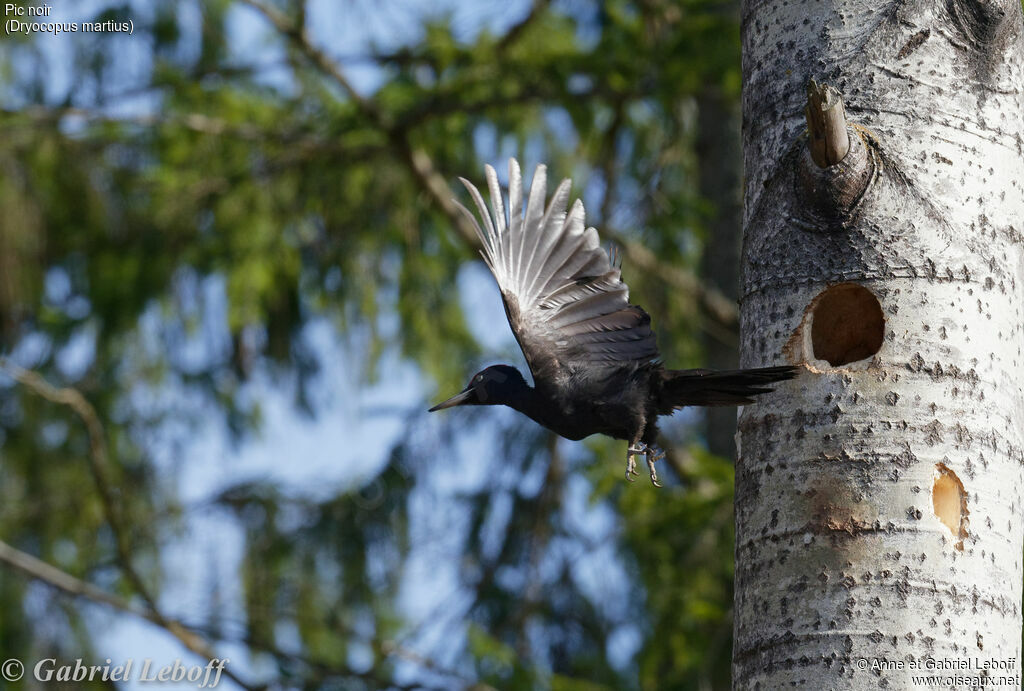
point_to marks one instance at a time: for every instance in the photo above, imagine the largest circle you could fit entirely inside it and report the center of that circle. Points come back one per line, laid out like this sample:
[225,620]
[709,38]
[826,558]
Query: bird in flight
[593,356]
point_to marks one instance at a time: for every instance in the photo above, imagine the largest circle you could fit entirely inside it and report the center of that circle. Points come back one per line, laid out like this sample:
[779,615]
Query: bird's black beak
[458,399]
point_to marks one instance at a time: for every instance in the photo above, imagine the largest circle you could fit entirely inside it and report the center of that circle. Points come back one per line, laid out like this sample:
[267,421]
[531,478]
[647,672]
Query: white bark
[879,500]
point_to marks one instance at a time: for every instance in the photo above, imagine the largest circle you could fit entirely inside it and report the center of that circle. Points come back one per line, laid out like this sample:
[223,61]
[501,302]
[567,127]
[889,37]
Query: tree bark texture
[880,496]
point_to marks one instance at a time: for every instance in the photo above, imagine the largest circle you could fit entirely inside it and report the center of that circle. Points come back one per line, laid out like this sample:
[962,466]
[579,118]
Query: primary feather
[565,300]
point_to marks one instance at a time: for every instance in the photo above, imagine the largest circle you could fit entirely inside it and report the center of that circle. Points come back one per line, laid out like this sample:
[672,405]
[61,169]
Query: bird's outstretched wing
[564,298]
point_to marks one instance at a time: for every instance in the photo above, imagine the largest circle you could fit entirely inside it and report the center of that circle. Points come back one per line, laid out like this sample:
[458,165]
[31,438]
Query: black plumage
[593,356]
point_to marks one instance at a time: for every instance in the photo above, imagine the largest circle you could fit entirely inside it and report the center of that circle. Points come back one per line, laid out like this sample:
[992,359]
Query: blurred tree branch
[325,670]
[722,311]
[296,32]
[99,464]
[100,468]
[419,162]
[64,582]
[517,29]
[67,584]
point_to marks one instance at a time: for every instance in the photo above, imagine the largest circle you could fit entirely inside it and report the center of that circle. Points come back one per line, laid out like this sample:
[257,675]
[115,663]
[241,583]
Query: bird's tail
[726,387]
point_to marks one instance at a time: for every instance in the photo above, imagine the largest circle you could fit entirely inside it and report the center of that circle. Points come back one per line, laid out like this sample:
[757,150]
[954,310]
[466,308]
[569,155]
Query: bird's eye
[478,378]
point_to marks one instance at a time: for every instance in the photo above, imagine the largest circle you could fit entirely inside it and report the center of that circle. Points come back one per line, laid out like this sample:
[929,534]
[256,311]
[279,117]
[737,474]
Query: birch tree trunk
[879,495]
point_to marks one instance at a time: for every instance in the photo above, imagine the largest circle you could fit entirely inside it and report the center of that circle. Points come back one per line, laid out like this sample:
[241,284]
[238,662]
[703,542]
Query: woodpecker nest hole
[846,324]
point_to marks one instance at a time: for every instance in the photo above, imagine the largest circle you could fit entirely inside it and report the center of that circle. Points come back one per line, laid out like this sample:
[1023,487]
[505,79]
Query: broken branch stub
[826,123]
[837,165]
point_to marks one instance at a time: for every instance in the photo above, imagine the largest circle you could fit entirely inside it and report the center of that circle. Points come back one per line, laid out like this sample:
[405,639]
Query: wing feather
[481,207]
[515,217]
[551,232]
[565,299]
[496,200]
[488,252]
[532,232]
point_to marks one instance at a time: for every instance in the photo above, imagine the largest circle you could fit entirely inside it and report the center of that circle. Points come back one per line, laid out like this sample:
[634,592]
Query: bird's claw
[654,454]
[631,462]
[631,469]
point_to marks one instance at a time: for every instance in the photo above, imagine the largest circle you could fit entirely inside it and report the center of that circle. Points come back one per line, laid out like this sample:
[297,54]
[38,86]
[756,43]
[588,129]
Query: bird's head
[496,385]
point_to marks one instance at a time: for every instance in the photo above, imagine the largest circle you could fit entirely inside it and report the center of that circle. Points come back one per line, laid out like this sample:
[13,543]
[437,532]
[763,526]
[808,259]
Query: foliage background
[246,203]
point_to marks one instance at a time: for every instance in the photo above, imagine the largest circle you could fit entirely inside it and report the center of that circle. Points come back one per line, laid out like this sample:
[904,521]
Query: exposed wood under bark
[826,124]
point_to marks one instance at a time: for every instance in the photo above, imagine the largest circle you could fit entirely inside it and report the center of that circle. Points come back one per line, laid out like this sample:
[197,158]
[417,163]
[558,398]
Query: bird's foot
[654,454]
[631,463]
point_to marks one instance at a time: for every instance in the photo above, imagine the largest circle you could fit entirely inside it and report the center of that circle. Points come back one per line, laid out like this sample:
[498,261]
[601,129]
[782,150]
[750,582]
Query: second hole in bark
[847,324]
[950,503]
